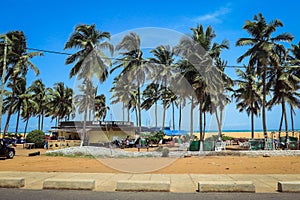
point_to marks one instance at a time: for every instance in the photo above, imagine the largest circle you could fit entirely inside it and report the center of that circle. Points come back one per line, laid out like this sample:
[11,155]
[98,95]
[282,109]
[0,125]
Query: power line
[49,51]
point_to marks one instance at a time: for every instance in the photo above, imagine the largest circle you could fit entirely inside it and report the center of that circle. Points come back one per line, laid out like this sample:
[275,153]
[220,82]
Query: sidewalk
[186,183]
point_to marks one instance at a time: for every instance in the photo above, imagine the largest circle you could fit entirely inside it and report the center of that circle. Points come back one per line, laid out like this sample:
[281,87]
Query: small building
[68,133]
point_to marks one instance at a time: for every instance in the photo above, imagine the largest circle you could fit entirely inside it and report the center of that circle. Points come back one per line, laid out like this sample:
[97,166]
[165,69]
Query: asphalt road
[25,194]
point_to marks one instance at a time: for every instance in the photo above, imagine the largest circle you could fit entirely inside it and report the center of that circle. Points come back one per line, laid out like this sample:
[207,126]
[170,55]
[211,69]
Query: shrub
[37,137]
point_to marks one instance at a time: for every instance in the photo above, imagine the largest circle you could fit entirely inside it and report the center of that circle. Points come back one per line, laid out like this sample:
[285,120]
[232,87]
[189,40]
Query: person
[138,143]
[147,143]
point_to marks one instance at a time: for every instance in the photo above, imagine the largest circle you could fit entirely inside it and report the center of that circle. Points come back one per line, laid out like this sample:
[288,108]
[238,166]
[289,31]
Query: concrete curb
[149,186]
[289,186]
[69,184]
[8,182]
[226,186]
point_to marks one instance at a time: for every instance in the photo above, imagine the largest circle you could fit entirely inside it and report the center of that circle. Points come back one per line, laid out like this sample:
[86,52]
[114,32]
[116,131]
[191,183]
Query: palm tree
[284,85]
[263,51]
[294,61]
[248,94]
[200,53]
[151,95]
[84,101]
[220,97]
[39,96]
[100,107]
[19,64]
[90,59]
[29,107]
[163,72]
[121,93]
[60,102]
[17,103]
[133,66]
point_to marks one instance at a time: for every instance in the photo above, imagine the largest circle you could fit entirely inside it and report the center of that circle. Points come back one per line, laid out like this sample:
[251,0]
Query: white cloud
[214,17]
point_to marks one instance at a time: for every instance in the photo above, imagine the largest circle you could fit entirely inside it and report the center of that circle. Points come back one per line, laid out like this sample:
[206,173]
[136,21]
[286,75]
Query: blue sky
[48,25]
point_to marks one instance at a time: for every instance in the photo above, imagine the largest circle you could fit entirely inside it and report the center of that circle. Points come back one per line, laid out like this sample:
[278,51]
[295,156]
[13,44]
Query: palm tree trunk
[156,114]
[42,125]
[264,120]
[10,109]
[280,126]
[17,124]
[219,126]
[252,125]
[123,109]
[200,126]
[204,124]
[39,122]
[179,118]
[173,115]
[292,119]
[84,135]
[139,108]
[136,117]
[192,117]
[128,114]
[164,116]
[285,122]
[26,125]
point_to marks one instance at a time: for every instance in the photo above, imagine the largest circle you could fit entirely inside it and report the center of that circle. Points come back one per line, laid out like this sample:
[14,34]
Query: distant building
[68,133]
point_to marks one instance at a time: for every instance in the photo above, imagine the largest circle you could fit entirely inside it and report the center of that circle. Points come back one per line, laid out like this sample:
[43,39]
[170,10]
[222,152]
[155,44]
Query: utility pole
[3,82]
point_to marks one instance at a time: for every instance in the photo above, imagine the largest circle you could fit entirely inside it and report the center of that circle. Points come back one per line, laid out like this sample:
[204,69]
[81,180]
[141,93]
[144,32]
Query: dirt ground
[197,165]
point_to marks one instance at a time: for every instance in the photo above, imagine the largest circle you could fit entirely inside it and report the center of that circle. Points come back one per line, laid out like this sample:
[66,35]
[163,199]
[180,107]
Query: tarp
[174,132]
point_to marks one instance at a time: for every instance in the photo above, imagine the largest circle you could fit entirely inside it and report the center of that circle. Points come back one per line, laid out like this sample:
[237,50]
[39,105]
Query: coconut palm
[39,96]
[151,95]
[84,101]
[285,86]
[19,64]
[133,66]
[121,94]
[20,89]
[163,73]
[220,97]
[262,51]
[248,94]
[60,102]
[90,60]
[100,107]
[29,107]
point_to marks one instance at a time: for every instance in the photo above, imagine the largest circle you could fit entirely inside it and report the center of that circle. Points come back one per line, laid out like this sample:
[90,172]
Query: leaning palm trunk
[26,125]
[84,134]
[292,120]
[219,122]
[9,109]
[17,124]
[280,126]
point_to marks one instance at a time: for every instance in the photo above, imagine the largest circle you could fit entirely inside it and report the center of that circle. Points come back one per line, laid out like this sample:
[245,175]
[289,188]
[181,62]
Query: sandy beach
[194,164]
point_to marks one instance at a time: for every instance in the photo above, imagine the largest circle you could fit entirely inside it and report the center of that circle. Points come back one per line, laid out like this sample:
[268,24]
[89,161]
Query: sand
[195,165]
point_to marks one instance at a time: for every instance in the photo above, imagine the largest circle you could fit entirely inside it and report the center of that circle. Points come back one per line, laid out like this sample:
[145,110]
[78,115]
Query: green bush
[37,137]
